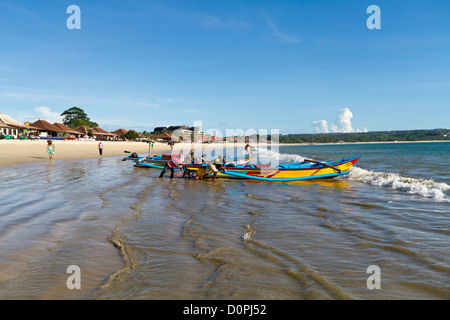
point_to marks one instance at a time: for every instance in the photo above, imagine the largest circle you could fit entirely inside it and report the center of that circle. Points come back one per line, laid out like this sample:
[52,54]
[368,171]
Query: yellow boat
[308,169]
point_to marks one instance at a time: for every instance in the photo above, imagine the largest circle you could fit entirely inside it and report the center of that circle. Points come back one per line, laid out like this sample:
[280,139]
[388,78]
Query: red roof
[120,132]
[65,128]
[83,129]
[165,136]
[45,126]
[100,131]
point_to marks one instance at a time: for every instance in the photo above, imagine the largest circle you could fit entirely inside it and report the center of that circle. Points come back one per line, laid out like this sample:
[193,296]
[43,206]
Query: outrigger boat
[132,157]
[308,169]
[155,159]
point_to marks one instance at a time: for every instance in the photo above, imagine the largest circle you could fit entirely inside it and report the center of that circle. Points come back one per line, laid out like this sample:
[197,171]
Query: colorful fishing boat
[132,157]
[160,161]
[307,169]
[154,159]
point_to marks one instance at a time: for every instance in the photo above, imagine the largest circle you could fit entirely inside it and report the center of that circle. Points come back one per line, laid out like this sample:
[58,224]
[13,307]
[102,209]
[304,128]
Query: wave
[265,155]
[427,188]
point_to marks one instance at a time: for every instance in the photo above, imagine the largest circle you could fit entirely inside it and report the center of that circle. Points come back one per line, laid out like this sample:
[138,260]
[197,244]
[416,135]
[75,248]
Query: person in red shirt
[172,164]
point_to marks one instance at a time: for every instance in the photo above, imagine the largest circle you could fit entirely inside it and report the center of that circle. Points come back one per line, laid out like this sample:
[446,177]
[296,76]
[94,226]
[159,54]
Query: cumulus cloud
[321,126]
[46,114]
[343,123]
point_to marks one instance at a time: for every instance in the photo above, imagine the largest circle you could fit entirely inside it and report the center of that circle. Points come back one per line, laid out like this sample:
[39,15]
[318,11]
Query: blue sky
[230,64]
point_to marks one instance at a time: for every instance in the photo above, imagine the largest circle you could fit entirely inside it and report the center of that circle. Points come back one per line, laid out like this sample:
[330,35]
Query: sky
[294,66]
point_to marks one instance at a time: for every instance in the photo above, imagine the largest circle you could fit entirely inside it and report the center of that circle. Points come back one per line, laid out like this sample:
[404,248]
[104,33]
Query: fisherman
[174,162]
[204,159]
[213,167]
[188,159]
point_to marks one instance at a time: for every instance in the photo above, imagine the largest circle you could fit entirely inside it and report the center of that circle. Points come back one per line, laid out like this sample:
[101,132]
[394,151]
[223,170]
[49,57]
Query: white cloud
[342,123]
[44,113]
[321,126]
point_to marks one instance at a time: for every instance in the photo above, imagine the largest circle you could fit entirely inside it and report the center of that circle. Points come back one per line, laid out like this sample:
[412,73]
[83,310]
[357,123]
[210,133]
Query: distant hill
[374,136]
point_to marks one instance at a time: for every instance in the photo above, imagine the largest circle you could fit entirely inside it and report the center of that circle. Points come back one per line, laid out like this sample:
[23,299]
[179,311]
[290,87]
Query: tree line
[373,136]
[75,117]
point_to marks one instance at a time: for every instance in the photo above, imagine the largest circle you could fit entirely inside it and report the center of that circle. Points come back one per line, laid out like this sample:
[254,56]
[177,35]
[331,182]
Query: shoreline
[16,152]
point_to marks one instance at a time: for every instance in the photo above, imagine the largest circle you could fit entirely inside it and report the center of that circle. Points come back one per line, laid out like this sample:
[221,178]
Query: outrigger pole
[325,165]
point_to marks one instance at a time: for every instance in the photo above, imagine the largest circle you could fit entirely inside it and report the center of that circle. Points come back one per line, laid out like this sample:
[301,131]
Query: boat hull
[288,172]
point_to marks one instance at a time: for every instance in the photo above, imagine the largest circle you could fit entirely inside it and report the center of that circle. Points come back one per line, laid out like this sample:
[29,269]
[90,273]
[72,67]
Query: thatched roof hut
[165,137]
[45,126]
[83,130]
[102,134]
[100,131]
[10,121]
[4,125]
[120,132]
[65,128]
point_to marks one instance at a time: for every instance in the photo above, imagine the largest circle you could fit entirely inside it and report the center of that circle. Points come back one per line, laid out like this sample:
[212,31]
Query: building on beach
[120,134]
[67,131]
[84,131]
[165,137]
[96,133]
[46,129]
[5,129]
[10,127]
[101,134]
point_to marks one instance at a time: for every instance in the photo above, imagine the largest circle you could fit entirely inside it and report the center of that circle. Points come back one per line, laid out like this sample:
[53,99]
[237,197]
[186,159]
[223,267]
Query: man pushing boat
[174,162]
[213,167]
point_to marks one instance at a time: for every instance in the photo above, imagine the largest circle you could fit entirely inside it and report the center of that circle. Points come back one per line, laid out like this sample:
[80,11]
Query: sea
[103,229]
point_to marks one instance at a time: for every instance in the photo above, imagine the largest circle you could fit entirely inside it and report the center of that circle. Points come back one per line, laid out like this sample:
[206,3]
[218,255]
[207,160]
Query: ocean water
[136,236]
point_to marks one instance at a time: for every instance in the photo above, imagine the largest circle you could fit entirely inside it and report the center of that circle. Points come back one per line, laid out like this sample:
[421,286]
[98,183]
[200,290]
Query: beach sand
[14,152]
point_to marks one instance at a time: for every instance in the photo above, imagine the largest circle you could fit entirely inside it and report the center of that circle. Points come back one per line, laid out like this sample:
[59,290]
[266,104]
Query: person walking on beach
[51,149]
[100,148]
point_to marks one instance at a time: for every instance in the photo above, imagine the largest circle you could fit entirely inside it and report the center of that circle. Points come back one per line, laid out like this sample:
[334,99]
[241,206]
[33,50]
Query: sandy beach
[13,152]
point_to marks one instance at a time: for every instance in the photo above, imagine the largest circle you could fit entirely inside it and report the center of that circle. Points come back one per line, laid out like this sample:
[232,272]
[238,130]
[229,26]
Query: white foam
[424,187]
[264,154]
